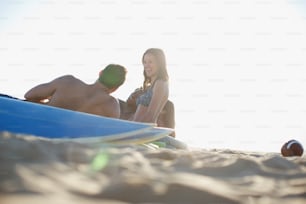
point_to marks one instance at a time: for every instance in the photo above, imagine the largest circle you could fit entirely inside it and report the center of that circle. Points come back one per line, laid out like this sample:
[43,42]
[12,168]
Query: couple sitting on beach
[147,104]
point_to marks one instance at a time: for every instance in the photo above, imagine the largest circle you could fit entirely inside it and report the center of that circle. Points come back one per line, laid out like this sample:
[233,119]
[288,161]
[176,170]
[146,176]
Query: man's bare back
[71,93]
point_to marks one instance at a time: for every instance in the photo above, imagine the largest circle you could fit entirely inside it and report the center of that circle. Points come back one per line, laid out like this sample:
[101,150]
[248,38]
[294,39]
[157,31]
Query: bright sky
[237,68]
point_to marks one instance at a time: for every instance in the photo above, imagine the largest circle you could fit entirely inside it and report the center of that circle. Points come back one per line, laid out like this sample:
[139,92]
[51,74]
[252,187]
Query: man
[71,93]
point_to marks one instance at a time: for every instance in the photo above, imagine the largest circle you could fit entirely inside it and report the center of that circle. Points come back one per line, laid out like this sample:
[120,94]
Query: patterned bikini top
[145,98]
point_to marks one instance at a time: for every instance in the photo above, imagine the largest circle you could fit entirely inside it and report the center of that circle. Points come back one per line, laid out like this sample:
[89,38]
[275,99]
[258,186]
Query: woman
[150,100]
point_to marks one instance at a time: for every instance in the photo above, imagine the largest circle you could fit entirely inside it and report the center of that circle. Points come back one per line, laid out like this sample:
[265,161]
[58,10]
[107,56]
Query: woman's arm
[131,101]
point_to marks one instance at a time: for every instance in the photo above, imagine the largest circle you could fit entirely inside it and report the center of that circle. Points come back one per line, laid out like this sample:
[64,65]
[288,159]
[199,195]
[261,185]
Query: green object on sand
[99,161]
[160,144]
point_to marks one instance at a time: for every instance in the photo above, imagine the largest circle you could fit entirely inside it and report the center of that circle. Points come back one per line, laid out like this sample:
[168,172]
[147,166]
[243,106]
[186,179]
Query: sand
[36,171]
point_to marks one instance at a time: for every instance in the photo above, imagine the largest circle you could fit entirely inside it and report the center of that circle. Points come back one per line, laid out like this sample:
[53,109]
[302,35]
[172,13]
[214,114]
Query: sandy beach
[36,171]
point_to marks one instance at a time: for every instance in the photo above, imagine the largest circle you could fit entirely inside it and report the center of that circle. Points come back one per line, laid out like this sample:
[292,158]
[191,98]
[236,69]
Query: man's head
[112,76]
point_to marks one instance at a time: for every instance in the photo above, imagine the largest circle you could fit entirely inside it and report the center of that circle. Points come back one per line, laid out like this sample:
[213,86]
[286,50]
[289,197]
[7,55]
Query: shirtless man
[71,93]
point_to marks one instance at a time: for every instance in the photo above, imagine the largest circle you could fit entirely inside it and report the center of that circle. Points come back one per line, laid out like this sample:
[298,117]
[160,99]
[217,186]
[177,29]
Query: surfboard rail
[44,121]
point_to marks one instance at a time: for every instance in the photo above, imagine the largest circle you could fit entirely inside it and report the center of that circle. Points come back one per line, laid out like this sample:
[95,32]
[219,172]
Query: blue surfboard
[48,122]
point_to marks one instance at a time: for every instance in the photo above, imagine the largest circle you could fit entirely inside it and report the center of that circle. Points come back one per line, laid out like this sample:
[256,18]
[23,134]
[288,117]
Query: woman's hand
[131,101]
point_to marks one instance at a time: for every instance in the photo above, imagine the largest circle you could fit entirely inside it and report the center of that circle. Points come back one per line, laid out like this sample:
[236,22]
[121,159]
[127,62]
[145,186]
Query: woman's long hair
[161,61]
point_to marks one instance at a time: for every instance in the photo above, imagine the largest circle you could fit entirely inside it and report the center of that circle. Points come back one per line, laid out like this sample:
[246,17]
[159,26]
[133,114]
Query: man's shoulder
[107,105]
[108,99]
[114,107]
[68,79]
[99,97]
[108,102]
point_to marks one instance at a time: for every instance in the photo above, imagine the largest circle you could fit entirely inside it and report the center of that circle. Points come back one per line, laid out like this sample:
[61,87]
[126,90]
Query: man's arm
[39,93]
[42,92]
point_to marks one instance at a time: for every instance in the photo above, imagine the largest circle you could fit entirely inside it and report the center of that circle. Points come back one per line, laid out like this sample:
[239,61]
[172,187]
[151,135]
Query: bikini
[145,98]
